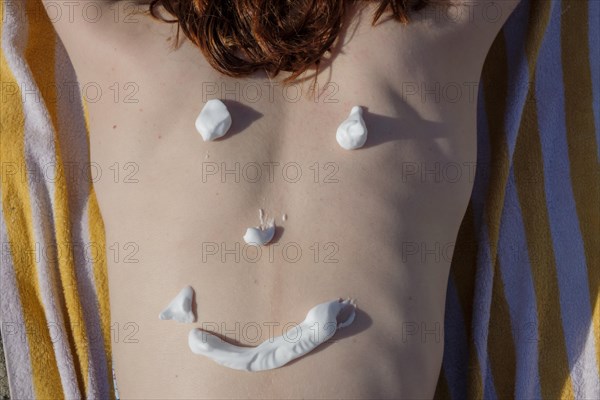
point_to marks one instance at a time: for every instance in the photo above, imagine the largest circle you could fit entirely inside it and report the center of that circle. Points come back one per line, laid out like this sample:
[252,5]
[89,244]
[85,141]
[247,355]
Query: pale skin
[371,224]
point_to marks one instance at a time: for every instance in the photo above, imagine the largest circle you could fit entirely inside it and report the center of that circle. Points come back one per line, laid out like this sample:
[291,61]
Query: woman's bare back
[376,224]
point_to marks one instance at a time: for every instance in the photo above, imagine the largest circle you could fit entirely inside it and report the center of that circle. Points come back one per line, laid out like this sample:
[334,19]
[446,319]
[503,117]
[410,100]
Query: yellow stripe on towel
[40,56]
[582,143]
[553,360]
[17,214]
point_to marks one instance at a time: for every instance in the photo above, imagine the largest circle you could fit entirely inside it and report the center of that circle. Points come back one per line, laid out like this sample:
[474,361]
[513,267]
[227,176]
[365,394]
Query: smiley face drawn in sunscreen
[320,324]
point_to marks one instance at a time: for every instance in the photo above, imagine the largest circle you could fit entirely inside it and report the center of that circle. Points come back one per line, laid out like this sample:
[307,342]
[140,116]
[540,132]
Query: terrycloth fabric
[523,316]
[522,308]
[53,281]
[4,393]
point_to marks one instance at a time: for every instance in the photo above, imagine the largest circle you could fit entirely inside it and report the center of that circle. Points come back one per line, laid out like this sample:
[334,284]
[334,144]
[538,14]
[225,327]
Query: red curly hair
[240,37]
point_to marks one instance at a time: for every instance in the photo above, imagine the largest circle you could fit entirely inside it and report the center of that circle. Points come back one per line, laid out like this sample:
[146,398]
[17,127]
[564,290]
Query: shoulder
[95,16]
[96,30]
[483,18]
[458,30]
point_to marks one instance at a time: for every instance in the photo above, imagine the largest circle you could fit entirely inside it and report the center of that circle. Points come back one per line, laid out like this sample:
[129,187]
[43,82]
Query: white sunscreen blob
[180,308]
[214,120]
[320,324]
[262,234]
[352,133]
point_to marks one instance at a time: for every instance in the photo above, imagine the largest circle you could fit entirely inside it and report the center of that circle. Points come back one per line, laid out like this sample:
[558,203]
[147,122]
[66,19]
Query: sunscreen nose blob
[262,234]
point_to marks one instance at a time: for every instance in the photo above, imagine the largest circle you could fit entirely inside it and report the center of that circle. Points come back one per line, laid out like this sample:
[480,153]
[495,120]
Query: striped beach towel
[522,313]
[522,310]
[54,305]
